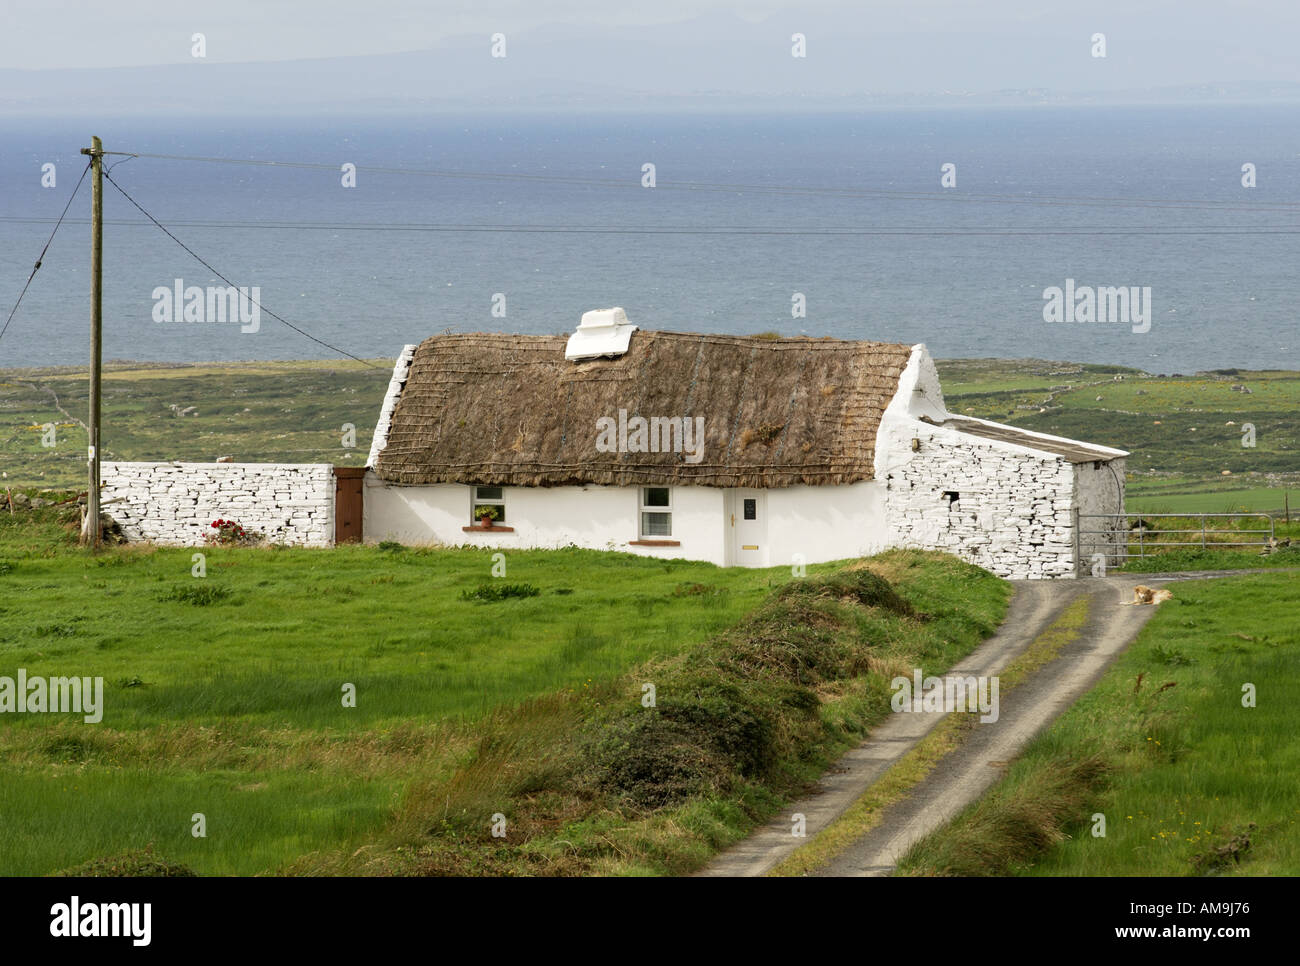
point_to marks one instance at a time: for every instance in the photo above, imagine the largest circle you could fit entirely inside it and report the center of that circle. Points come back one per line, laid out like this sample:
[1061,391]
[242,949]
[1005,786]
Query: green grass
[1207,497]
[1190,782]
[601,783]
[270,635]
[224,694]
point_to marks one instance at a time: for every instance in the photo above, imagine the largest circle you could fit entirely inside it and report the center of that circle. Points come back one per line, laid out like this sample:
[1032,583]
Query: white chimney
[602,332]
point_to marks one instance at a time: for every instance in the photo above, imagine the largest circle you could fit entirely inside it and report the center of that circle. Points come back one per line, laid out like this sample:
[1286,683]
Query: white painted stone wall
[175,503]
[1014,512]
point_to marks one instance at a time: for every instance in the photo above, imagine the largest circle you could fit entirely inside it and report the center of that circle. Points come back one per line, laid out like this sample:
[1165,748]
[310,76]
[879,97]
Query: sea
[836,224]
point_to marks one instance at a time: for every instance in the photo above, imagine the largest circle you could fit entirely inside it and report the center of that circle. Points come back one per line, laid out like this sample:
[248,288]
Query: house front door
[749,528]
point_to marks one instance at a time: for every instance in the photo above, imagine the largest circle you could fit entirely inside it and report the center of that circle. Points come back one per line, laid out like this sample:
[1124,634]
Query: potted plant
[486,514]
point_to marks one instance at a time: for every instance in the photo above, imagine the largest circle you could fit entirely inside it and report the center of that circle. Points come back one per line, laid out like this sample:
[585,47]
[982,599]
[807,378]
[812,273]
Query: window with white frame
[489,496]
[656,512]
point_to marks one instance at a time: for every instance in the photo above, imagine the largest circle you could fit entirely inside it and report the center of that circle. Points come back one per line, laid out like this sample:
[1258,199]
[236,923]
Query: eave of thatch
[508,410]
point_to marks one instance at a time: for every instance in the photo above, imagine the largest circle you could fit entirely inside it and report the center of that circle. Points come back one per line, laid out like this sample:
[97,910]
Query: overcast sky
[1209,40]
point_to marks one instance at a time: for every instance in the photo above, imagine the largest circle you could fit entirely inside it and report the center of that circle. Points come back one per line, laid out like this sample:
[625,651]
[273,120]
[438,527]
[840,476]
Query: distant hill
[717,60]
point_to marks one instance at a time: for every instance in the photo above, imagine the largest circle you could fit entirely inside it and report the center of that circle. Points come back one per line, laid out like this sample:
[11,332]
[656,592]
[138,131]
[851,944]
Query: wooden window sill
[492,529]
[654,543]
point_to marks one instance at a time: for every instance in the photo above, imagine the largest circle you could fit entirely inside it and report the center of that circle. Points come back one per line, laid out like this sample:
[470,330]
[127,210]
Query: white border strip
[401,369]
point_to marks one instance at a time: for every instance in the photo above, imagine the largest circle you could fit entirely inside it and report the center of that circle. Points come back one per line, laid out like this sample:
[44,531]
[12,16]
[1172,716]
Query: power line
[867,230]
[209,267]
[41,257]
[1066,201]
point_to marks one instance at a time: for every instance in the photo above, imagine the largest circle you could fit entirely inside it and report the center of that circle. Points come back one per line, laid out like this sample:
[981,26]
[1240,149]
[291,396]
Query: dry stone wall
[1002,508]
[175,503]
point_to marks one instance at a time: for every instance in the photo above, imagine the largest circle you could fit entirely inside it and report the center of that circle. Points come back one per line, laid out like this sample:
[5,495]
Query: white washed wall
[1100,490]
[593,517]
[175,503]
[822,523]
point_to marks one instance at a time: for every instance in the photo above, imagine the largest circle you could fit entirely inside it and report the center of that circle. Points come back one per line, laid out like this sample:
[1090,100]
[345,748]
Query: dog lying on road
[1149,595]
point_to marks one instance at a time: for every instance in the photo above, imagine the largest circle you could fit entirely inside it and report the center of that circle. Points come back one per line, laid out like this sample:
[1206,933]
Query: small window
[656,512]
[751,510]
[493,496]
[951,496]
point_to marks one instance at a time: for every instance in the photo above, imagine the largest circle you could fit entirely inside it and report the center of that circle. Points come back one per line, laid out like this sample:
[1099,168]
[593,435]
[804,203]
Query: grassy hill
[1184,431]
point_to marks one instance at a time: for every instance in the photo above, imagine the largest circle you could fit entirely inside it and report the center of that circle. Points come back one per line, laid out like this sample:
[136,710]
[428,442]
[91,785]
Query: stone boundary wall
[175,503]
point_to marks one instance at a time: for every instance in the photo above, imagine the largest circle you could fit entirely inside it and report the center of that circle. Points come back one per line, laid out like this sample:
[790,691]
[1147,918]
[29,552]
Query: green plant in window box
[485,514]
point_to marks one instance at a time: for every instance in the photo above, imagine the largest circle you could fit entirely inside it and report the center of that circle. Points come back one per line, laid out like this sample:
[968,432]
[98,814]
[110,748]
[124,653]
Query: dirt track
[969,770]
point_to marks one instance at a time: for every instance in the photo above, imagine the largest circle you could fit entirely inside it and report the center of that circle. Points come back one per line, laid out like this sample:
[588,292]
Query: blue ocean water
[1218,300]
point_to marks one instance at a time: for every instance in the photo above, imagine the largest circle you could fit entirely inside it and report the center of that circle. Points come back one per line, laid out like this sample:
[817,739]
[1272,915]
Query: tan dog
[1149,595]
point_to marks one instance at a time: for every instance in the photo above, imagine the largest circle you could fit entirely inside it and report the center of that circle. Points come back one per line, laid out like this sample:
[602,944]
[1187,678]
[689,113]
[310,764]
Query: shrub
[495,592]
[200,595]
[135,863]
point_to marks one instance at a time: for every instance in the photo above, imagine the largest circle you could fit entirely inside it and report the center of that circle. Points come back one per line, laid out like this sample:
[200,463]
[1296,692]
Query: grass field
[1189,780]
[262,412]
[224,694]
[1183,431]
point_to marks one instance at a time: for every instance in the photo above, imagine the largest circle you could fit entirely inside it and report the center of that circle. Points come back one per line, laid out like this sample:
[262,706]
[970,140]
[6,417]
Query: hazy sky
[1200,40]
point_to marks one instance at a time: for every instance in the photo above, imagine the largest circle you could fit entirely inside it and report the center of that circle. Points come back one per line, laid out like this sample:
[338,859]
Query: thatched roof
[509,410]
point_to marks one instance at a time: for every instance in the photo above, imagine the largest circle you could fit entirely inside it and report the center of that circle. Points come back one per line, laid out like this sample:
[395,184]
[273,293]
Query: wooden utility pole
[90,533]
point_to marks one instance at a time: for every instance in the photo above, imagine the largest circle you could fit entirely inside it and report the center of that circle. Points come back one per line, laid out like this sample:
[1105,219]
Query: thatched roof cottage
[746,451]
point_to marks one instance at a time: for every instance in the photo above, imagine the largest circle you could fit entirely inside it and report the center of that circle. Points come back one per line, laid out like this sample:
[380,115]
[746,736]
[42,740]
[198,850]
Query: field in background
[1183,431]
[253,412]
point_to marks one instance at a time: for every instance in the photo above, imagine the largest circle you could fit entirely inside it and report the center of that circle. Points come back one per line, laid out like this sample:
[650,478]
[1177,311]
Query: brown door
[347,503]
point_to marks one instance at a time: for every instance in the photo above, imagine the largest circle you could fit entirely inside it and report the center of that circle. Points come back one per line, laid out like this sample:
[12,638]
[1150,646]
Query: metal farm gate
[1128,535]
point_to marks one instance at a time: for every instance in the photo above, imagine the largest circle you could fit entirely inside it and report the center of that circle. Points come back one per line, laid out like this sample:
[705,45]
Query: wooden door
[348,505]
